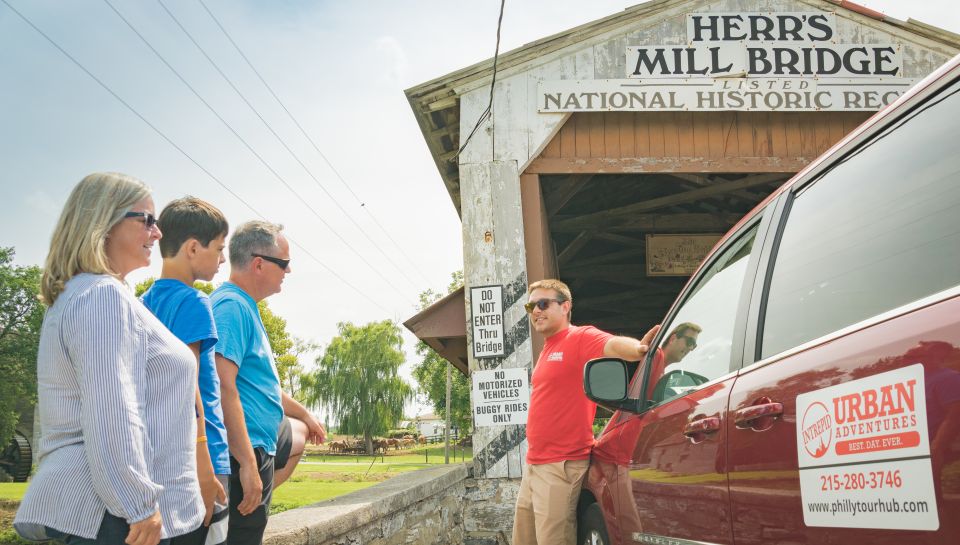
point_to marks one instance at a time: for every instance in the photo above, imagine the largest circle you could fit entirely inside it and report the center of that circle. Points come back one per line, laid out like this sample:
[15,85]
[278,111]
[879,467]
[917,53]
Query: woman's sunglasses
[149,220]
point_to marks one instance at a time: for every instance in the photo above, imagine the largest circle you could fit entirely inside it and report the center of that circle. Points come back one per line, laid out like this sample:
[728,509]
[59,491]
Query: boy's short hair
[188,218]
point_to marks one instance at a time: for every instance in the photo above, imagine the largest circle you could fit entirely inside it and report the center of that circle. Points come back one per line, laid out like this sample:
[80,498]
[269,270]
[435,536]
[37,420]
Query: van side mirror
[605,382]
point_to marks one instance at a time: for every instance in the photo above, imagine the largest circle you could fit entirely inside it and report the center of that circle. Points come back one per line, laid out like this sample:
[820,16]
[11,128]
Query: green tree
[142,287]
[431,372]
[280,340]
[357,379]
[21,318]
[293,369]
[456,281]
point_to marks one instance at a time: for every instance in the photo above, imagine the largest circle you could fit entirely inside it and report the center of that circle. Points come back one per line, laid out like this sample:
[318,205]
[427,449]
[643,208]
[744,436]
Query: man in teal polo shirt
[253,403]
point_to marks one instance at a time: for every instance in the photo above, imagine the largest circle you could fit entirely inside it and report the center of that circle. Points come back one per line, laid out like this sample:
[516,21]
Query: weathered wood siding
[493,245]
[714,135]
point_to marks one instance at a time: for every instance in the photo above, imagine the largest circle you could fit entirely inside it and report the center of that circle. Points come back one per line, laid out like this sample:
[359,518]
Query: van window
[878,231]
[700,336]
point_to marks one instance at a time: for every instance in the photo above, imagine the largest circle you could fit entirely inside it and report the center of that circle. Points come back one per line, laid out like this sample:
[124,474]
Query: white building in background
[426,424]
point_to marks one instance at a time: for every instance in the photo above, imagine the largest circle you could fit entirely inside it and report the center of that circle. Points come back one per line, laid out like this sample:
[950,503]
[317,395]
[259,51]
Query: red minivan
[805,386]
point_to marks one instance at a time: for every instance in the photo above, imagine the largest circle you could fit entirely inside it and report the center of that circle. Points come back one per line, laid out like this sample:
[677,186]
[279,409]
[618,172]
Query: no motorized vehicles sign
[500,397]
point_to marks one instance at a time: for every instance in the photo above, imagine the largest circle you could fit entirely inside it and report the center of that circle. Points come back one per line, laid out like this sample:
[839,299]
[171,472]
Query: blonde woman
[116,388]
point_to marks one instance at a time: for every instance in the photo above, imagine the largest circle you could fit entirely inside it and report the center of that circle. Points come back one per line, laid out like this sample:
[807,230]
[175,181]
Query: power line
[250,148]
[281,140]
[181,150]
[488,113]
[309,139]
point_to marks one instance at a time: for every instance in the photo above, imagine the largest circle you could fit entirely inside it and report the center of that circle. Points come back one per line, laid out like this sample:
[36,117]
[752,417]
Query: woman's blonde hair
[96,204]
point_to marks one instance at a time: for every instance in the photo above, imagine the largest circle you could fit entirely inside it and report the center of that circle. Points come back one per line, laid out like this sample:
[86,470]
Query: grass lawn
[318,477]
[8,508]
[296,494]
[12,491]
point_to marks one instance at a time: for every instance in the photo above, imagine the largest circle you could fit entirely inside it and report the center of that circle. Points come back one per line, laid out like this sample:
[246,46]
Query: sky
[371,221]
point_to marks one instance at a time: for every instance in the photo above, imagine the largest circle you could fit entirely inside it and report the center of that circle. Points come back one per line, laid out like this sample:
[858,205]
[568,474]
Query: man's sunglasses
[149,220]
[541,304]
[691,342]
[282,263]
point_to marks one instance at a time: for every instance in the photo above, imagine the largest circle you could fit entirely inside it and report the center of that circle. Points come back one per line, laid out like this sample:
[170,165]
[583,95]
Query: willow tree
[357,379]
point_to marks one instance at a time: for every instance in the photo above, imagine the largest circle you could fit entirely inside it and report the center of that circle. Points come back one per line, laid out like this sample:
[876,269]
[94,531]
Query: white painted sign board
[486,321]
[770,61]
[705,95]
[864,454]
[500,397]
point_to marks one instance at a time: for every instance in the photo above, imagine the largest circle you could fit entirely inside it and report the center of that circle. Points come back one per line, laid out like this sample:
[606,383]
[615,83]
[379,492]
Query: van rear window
[880,230]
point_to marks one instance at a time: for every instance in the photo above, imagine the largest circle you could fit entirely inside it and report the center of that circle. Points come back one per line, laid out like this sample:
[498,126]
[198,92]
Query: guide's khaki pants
[547,503]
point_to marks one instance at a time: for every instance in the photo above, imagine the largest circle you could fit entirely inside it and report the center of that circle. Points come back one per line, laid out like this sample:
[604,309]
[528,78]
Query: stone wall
[488,510]
[438,505]
[419,508]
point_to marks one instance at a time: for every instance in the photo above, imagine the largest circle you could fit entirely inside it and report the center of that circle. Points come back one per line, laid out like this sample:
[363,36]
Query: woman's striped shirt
[116,404]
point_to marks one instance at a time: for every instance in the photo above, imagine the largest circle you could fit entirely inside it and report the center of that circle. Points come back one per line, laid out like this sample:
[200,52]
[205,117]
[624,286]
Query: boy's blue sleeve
[230,324]
[194,321]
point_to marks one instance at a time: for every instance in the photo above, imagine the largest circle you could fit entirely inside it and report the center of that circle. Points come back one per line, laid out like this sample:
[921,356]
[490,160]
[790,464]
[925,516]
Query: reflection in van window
[880,230]
[697,346]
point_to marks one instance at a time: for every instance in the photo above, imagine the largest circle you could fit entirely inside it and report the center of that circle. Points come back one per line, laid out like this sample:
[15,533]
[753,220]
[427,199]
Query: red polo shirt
[560,423]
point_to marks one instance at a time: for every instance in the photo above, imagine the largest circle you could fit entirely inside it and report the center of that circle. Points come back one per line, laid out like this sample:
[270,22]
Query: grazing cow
[395,443]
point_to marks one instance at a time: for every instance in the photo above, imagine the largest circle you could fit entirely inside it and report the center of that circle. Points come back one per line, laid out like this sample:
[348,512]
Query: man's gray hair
[253,237]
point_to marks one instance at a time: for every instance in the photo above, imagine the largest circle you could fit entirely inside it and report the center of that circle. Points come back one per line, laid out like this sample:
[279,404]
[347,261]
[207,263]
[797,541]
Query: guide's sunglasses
[149,220]
[282,263]
[691,342]
[541,304]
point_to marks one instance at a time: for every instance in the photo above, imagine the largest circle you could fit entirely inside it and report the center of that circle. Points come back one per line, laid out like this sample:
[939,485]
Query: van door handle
[698,429]
[758,416]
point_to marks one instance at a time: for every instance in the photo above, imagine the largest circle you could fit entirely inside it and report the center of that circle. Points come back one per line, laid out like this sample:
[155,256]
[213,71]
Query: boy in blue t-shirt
[194,234]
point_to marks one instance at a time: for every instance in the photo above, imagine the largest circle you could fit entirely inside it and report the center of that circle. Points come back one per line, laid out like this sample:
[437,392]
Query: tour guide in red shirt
[560,422]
